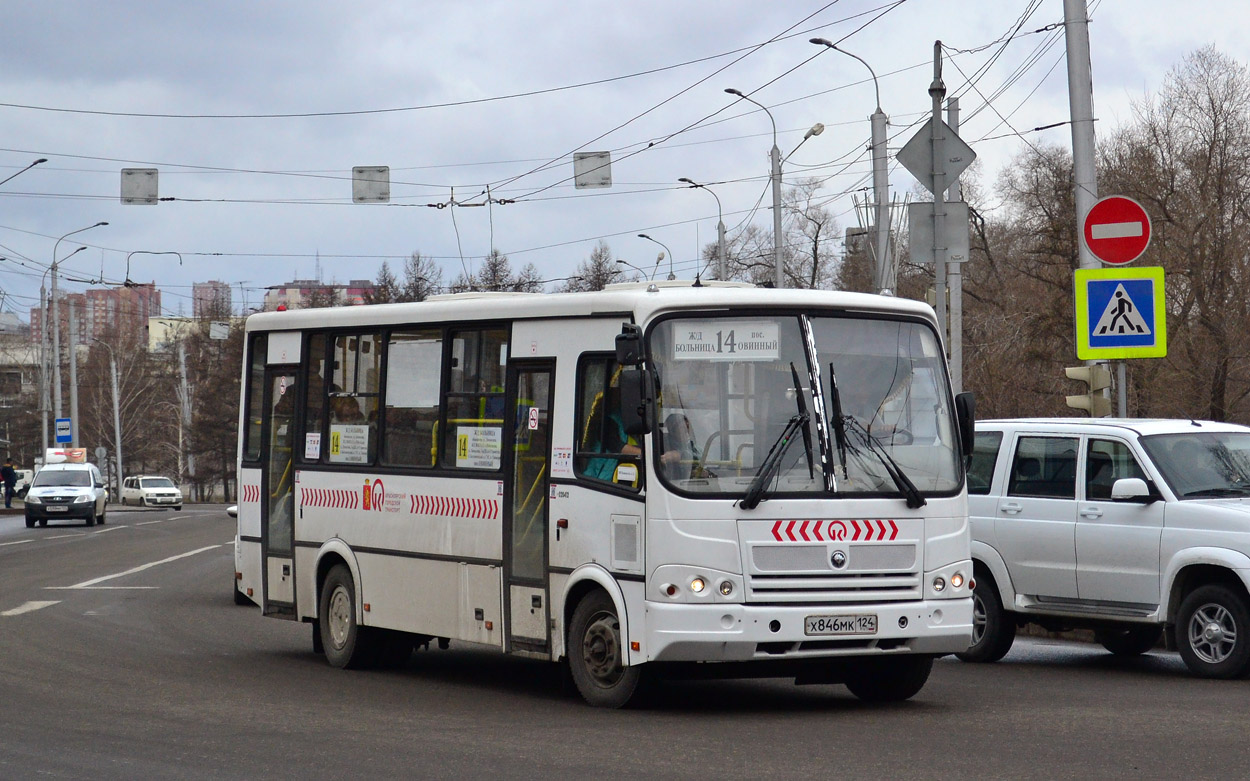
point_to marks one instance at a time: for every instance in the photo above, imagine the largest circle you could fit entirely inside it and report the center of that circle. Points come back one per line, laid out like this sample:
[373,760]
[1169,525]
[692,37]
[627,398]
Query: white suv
[1126,527]
[151,491]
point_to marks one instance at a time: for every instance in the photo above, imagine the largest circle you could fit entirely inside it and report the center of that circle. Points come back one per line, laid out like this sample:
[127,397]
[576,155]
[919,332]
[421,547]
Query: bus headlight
[939,583]
[957,580]
[697,585]
[726,588]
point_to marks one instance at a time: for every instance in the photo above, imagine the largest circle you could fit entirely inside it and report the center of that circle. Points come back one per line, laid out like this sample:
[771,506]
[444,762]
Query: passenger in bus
[607,435]
[681,455]
[345,410]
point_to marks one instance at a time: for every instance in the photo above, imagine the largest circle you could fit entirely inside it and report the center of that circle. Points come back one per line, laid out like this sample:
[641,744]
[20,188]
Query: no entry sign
[1117,230]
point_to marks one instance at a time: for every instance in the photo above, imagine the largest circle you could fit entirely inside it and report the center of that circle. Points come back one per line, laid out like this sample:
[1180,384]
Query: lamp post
[775,175]
[56,314]
[24,170]
[117,415]
[44,385]
[635,268]
[885,277]
[722,266]
[671,275]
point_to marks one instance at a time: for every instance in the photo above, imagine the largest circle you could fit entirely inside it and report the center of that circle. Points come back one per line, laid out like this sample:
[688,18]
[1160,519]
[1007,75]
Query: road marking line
[100,588]
[30,606]
[140,568]
[65,536]
[16,542]
[148,523]
[109,529]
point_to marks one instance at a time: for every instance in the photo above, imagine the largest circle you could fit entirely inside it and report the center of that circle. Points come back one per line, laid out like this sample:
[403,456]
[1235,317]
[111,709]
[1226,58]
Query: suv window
[1107,461]
[981,466]
[1044,467]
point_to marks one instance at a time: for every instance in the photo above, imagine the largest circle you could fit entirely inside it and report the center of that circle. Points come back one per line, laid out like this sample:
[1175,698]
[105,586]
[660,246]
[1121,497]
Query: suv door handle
[1091,512]
[1010,507]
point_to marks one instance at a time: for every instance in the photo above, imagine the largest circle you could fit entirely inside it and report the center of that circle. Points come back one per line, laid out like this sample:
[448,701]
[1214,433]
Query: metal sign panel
[1117,230]
[917,155]
[64,431]
[371,184]
[592,169]
[954,232]
[1120,313]
[140,185]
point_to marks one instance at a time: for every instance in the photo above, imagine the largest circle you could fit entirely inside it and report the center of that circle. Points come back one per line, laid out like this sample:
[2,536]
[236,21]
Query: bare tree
[596,272]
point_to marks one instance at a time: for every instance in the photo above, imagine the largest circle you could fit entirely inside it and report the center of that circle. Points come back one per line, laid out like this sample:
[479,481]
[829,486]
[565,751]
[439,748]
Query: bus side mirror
[636,400]
[965,416]
[629,345]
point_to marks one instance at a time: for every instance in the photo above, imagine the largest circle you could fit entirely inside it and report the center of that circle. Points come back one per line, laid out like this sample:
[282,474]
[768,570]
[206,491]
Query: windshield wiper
[807,432]
[839,422]
[755,492]
[905,486]
[1219,492]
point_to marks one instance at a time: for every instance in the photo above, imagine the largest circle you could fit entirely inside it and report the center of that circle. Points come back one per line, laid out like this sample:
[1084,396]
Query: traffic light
[1098,378]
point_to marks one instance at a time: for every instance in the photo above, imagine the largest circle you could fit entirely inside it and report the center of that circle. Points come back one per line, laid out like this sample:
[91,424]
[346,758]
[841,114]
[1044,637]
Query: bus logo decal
[879,530]
[837,531]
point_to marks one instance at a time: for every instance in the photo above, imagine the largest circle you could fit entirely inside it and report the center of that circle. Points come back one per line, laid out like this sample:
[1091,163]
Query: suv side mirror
[1133,490]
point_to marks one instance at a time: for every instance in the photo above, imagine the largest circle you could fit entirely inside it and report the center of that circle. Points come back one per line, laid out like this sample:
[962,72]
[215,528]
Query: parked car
[66,491]
[1131,528]
[151,491]
[24,476]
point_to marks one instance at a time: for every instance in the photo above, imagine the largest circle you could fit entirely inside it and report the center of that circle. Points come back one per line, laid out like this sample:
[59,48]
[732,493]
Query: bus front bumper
[738,632]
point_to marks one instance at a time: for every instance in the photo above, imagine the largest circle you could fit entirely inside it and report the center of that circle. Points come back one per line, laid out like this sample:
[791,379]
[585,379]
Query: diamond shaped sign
[917,155]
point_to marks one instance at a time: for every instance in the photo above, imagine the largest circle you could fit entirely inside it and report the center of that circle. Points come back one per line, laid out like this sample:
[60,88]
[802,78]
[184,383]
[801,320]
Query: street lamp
[44,402]
[722,271]
[635,268]
[56,314]
[775,175]
[671,275]
[117,416]
[24,170]
[885,274]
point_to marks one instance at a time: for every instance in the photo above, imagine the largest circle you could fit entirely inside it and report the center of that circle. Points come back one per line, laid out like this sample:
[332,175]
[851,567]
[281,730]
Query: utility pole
[117,420]
[43,369]
[886,275]
[937,92]
[956,277]
[184,422]
[73,377]
[1084,165]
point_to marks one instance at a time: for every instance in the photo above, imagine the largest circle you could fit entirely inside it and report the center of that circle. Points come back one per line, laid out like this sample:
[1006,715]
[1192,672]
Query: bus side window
[414,379]
[473,437]
[600,428]
[255,397]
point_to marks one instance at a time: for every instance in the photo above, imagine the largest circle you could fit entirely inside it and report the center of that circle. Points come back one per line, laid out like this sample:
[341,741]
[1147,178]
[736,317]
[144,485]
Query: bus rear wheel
[346,643]
[596,654]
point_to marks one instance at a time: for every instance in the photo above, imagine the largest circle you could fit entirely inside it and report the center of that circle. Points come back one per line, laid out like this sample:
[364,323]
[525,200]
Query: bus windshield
[870,414]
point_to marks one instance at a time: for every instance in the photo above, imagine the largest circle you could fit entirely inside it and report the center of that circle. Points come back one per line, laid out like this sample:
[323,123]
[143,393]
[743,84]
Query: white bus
[758,482]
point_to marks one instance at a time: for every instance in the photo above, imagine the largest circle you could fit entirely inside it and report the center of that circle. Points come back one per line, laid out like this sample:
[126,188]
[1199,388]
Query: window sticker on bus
[348,444]
[626,473]
[562,462]
[479,447]
[726,340]
[312,446]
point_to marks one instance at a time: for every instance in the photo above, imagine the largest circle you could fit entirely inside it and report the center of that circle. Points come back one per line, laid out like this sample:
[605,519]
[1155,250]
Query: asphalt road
[122,655]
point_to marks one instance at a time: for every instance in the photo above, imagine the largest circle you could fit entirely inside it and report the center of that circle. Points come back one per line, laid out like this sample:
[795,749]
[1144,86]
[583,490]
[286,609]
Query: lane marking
[30,607]
[140,568]
[15,542]
[149,523]
[109,529]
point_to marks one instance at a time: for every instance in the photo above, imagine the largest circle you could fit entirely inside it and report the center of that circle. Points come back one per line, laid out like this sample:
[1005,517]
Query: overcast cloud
[258,199]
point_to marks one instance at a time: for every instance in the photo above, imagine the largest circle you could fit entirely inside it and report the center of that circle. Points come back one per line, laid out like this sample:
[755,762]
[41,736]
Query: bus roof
[643,300]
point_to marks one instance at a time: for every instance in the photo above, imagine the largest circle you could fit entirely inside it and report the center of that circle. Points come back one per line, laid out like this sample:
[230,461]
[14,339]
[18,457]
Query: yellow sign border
[1081,282]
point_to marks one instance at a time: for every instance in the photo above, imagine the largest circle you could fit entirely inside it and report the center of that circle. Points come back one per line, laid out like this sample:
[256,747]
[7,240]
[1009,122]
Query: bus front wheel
[596,654]
[346,643]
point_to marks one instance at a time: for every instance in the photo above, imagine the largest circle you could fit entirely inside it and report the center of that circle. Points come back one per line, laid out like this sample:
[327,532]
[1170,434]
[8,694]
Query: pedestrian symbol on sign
[1120,316]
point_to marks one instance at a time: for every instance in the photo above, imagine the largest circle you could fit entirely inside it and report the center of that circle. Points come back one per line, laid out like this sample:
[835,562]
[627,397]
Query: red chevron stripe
[893,530]
[803,531]
[881,529]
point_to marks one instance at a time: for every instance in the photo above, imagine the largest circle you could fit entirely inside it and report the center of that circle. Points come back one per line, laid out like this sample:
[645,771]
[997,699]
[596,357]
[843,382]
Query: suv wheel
[1213,632]
[993,630]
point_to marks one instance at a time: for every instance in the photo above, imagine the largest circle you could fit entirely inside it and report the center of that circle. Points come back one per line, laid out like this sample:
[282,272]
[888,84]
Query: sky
[254,114]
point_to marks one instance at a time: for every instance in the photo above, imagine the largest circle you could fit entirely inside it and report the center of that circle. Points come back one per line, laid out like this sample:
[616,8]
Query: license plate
[52,508]
[863,624]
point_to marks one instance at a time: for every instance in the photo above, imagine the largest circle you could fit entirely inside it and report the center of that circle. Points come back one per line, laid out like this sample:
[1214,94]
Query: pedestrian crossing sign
[1120,313]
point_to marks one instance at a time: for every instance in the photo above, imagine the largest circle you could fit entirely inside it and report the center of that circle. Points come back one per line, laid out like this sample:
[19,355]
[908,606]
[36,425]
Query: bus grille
[828,587]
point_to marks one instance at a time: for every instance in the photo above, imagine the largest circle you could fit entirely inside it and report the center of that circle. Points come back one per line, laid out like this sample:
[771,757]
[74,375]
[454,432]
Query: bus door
[525,507]
[278,492]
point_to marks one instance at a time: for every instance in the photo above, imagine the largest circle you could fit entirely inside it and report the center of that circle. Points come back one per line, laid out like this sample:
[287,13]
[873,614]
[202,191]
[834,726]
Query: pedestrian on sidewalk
[9,475]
